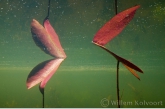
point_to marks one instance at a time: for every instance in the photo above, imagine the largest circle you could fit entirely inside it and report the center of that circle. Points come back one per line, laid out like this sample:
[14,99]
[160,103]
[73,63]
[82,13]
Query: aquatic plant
[47,39]
[109,31]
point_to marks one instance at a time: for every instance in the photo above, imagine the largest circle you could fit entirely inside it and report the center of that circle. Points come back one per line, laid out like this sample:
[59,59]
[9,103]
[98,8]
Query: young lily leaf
[130,66]
[114,26]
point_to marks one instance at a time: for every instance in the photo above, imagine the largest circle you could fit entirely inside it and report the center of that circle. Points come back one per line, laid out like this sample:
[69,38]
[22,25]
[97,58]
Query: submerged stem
[42,89]
[42,92]
[43,99]
[115,6]
[47,17]
[118,98]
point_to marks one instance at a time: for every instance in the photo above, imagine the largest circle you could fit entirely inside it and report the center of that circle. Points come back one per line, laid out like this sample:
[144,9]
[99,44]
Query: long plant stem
[48,9]
[115,6]
[43,99]
[42,89]
[117,78]
[118,98]
[47,17]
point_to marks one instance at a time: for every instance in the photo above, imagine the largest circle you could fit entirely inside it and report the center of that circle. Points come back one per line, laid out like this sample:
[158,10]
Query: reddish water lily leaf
[114,26]
[132,71]
[43,72]
[130,66]
[47,39]
[54,37]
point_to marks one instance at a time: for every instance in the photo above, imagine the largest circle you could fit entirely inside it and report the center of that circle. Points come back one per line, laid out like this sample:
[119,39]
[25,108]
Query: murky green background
[88,75]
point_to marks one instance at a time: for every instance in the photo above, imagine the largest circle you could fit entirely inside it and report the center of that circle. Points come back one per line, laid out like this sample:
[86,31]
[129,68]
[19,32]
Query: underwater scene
[87,77]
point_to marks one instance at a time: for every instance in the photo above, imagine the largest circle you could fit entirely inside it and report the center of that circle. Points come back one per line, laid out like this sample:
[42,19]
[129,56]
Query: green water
[88,75]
